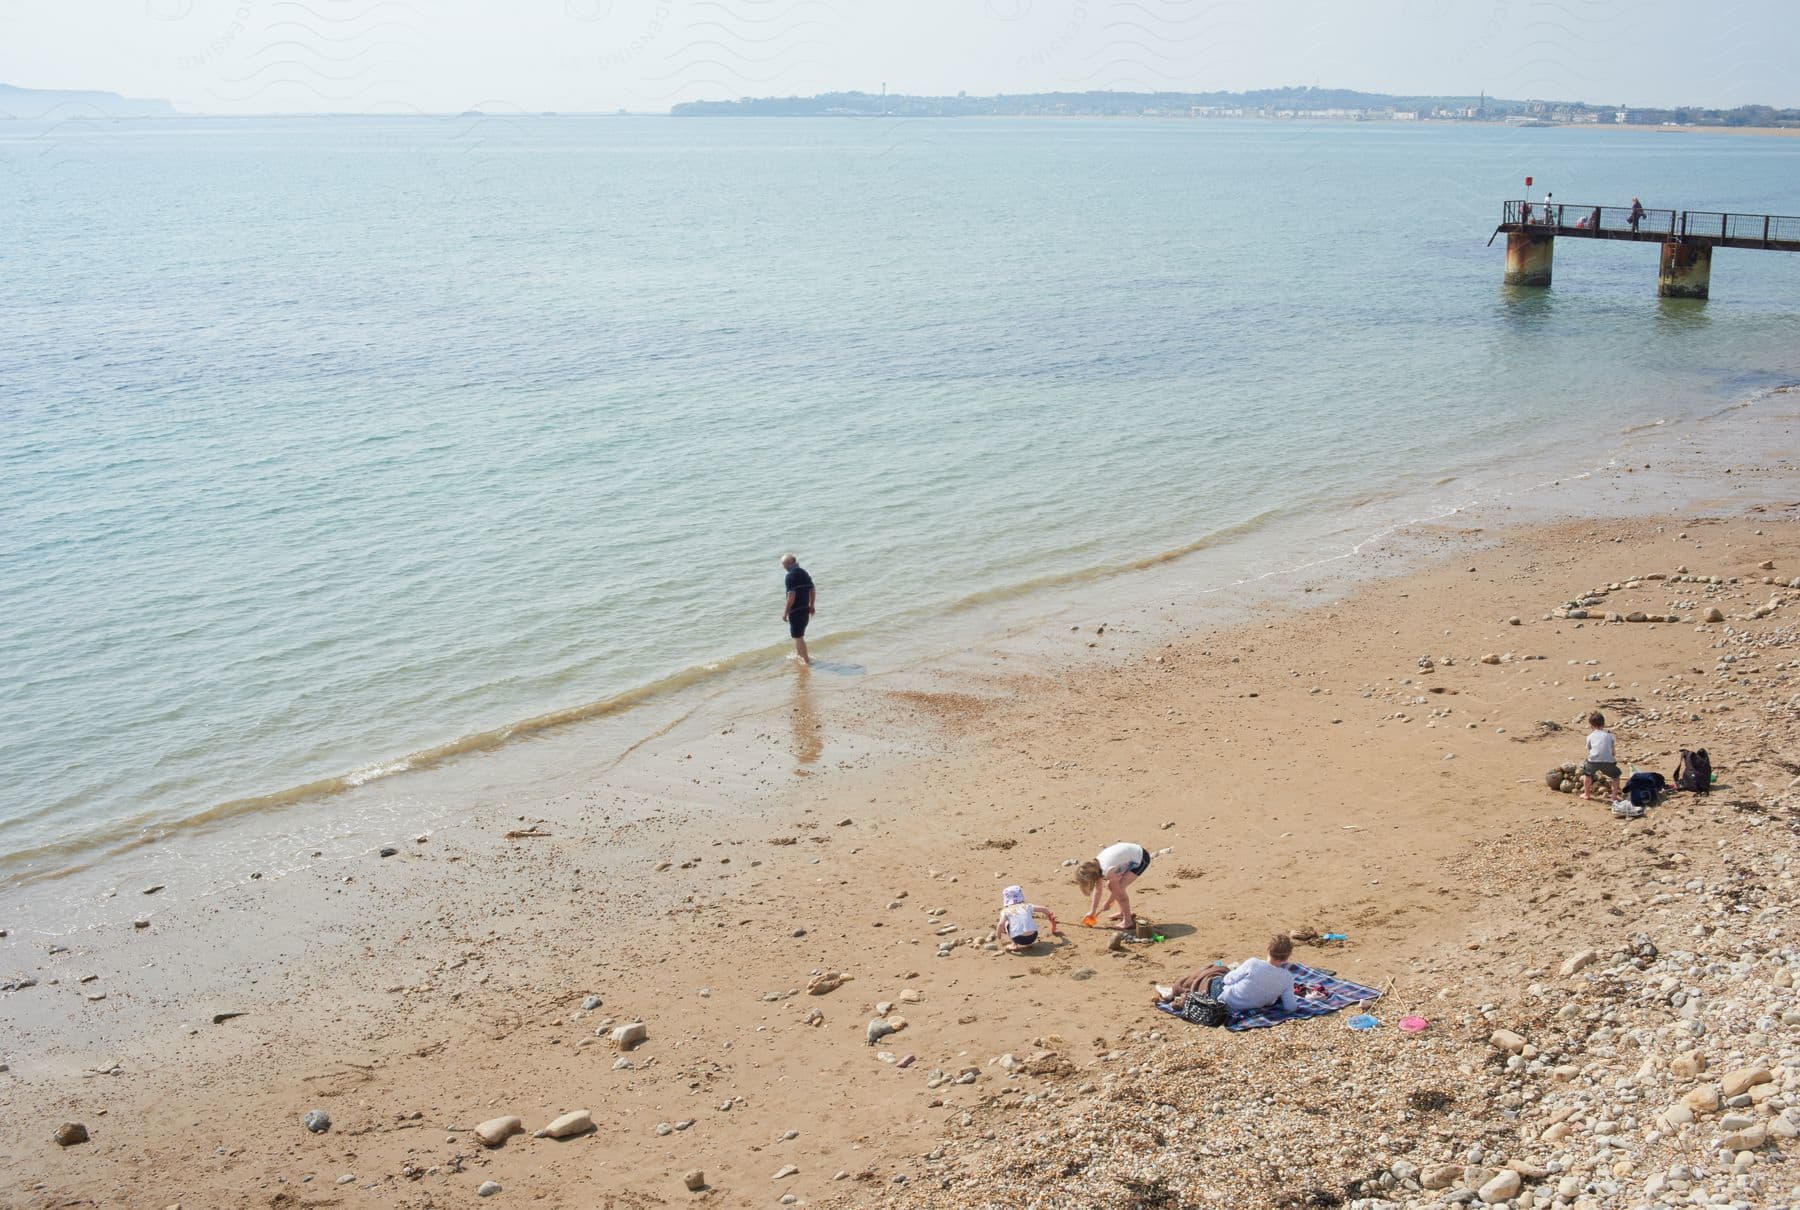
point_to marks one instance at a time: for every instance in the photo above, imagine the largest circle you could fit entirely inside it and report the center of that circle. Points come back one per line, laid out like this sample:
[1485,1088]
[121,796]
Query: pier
[1688,238]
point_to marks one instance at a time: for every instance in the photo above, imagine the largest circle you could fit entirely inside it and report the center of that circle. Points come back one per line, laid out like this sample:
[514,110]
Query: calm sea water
[325,444]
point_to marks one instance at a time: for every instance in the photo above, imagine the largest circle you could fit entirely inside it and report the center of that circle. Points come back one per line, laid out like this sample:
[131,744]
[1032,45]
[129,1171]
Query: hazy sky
[247,56]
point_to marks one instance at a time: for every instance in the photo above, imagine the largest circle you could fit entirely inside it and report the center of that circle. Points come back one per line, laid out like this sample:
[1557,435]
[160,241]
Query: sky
[262,56]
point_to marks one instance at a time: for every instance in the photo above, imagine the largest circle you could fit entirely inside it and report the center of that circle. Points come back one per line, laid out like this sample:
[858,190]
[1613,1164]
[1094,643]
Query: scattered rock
[1504,1186]
[830,981]
[71,1133]
[1748,1139]
[388,850]
[879,1028]
[1714,614]
[487,1189]
[590,1003]
[496,1131]
[785,1171]
[1507,1040]
[1703,1099]
[626,1037]
[317,1121]
[1441,1177]
[694,1179]
[570,1124]
[1578,962]
[1736,1083]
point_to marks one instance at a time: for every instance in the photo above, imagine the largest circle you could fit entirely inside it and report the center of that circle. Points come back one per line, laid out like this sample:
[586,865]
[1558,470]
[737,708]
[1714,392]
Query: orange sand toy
[1089,921]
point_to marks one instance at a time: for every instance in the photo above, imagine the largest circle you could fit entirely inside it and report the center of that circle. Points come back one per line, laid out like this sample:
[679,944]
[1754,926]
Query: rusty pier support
[1686,270]
[1528,256]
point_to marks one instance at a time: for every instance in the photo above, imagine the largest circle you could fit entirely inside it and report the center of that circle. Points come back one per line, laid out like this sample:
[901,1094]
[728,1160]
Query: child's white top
[1018,919]
[1120,857]
[1600,746]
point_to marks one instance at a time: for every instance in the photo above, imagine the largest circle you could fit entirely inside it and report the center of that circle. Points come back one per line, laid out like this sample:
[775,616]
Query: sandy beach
[1298,770]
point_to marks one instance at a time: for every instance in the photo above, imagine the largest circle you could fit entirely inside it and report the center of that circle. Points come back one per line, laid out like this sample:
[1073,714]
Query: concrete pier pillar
[1528,255]
[1686,271]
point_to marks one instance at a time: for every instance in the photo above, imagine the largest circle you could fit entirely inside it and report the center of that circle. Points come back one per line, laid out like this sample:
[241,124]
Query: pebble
[694,1179]
[317,1121]
[625,1037]
[487,1189]
[71,1133]
[785,1171]
[590,1003]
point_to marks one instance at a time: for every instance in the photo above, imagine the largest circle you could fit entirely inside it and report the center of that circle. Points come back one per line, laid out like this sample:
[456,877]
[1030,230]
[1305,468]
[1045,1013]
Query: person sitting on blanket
[1251,984]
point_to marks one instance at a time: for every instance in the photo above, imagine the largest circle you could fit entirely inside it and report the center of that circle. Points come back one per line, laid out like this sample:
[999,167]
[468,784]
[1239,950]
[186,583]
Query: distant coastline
[1313,104]
[29,104]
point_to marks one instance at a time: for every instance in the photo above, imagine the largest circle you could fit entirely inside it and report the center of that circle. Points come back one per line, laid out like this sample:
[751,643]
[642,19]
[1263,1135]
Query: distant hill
[1284,100]
[74,103]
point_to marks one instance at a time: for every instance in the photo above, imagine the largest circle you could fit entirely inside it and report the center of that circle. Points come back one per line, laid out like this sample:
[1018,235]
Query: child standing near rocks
[1600,757]
[1017,927]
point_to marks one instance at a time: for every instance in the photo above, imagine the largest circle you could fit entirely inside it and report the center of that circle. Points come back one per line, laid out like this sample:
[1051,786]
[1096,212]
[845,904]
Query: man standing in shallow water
[799,608]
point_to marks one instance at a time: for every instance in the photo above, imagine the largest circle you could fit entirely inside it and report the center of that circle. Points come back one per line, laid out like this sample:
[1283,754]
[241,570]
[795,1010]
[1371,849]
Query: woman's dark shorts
[797,623]
[1143,865]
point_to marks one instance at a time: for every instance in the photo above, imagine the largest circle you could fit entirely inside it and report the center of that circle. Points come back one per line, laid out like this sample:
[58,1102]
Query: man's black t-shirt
[801,585]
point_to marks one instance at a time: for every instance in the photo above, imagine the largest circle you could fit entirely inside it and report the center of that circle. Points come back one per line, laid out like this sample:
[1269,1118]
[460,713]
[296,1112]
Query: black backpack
[1643,788]
[1694,772]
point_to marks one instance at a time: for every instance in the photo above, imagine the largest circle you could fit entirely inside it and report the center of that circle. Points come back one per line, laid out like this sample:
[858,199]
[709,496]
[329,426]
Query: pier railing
[1580,218]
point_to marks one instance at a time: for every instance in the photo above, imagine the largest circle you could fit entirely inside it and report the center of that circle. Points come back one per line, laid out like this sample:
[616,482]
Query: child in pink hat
[1017,927]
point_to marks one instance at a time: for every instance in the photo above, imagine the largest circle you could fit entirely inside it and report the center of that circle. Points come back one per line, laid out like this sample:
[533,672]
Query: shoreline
[639,714]
[446,981]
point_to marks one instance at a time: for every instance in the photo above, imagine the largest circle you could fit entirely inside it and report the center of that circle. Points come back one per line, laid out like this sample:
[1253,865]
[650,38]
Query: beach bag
[1643,788]
[1202,1009]
[1694,772]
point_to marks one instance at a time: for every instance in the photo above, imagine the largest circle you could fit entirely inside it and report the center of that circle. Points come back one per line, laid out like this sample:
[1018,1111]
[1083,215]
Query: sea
[335,450]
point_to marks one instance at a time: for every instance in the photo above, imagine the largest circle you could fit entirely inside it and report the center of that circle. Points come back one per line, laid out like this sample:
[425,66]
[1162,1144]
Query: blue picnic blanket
[1339,993]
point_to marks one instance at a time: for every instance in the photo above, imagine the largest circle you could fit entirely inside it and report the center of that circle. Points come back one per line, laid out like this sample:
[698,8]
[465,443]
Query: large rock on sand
[1736,1083]
[496,1131]
[569,1125]
[1504,1187]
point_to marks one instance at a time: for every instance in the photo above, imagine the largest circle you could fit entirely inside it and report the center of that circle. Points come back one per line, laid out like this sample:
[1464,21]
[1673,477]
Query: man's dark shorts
[1591,767]
[797,623]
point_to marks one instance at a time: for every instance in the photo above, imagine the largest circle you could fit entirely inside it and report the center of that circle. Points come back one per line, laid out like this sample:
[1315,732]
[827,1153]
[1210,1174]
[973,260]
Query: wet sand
[1288,769]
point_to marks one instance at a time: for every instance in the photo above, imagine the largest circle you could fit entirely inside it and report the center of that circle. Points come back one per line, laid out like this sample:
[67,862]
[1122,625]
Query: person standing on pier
[1637,215]
[799,608]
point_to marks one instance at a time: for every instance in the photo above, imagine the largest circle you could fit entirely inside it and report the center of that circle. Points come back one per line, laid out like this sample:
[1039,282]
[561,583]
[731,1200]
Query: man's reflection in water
[809,734]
